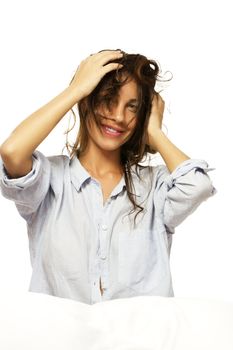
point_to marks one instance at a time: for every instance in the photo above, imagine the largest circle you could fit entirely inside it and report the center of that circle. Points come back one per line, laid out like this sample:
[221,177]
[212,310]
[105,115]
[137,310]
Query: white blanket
[41,322]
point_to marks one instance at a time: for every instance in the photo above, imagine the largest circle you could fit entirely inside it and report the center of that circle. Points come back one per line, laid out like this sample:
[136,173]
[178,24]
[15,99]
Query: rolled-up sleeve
[27,191]
[183,190]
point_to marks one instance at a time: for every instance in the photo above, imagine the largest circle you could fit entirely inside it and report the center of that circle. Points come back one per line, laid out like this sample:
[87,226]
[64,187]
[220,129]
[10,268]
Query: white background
[42,43]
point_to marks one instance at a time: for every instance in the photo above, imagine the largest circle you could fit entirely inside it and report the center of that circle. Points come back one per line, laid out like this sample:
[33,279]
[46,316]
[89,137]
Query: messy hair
[145,72]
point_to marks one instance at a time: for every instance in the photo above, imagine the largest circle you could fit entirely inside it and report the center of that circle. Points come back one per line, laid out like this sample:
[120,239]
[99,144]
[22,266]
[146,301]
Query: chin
[109,146]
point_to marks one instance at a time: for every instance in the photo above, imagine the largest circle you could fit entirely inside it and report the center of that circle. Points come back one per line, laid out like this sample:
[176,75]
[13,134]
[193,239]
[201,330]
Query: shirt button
[104,227]
[103,257]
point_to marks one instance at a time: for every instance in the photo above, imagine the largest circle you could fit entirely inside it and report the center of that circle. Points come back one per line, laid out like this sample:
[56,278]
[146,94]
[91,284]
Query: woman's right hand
[92,69]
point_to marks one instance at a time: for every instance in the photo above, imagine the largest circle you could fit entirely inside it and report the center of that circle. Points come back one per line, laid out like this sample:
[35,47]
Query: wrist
[75,93]
[154,136]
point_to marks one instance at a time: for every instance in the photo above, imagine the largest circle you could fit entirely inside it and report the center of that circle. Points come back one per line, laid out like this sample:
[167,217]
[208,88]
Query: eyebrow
[133,100]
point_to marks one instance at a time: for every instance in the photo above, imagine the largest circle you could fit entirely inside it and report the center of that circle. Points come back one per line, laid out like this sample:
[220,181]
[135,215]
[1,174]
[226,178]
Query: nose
[118,113]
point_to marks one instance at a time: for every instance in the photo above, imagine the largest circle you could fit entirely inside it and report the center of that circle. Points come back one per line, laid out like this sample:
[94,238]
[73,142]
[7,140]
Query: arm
[17,150]
[25,138]
[171,155]
[187,185]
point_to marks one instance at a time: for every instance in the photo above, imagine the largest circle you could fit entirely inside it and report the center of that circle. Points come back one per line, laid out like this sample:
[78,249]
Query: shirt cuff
[184,168]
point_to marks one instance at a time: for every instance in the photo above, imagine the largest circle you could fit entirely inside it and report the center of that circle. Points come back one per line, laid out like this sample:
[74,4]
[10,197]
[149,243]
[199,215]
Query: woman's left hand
[156,117]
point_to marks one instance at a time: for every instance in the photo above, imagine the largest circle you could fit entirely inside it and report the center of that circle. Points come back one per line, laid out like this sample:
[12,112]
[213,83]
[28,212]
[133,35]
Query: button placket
[103,253]
[103,239]
[99,217]
[103,228]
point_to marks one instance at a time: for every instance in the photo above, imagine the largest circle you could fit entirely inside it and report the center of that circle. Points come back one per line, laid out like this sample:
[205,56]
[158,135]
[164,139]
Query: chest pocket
[137,258]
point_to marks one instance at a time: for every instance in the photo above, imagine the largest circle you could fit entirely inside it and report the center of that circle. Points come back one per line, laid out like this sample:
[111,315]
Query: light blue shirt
[75,240]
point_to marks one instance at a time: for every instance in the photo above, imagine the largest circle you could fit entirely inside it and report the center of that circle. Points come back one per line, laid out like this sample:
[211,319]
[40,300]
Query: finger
[110,56]
[103,52]
[112,66]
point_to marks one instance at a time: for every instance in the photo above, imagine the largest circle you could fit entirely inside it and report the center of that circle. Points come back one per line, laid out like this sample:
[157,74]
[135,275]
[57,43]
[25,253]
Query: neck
[100,162]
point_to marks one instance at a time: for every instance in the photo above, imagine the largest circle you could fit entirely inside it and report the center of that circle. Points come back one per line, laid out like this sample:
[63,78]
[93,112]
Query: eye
[133,107]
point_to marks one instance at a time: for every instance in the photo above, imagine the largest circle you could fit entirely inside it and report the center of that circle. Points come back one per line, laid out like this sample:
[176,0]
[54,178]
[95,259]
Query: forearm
[171,155]
[25,138]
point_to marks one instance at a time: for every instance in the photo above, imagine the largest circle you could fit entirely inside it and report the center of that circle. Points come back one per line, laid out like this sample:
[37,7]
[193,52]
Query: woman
[84,244]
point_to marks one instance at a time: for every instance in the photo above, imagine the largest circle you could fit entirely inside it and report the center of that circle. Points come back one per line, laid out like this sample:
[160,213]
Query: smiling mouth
[110,131]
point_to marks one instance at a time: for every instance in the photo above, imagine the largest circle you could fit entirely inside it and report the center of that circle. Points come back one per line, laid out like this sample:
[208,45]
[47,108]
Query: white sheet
[38,321]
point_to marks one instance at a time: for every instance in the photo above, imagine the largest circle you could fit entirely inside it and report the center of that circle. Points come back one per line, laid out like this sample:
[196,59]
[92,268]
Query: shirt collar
[79,175]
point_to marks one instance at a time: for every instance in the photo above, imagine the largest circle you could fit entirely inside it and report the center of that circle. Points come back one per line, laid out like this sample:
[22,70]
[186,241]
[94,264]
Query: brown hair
[145,72]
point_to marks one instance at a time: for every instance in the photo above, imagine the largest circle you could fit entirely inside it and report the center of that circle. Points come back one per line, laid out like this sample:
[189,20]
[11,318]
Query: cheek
[91,125]
[133,125]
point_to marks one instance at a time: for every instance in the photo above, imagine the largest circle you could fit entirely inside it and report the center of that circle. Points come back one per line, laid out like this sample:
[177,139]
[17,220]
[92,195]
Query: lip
[113,127]
[109,133]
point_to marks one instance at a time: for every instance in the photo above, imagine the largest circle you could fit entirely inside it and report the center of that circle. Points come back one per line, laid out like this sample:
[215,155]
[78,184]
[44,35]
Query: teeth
[112,130]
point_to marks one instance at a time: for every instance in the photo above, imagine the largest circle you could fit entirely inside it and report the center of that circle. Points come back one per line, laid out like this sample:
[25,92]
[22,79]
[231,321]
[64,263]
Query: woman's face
[118,122]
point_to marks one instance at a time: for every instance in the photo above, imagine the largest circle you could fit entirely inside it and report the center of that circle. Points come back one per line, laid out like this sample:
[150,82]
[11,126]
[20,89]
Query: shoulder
[56,162]
[151,174]
[157,171]
[58,165]
[59,162]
